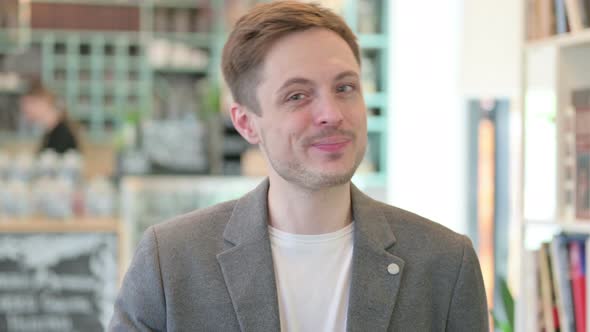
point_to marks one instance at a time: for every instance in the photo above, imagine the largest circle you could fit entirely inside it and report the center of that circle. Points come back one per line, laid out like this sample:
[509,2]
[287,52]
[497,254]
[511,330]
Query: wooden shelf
[181,70]
[197,39]
[87,62]
[92,2]
[40,35]
[574,226]
[563,40]
[31,225]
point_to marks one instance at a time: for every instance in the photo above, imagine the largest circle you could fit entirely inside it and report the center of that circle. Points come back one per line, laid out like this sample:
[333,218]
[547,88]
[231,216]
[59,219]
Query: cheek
[361,118]
[278,139]
[354,109]
[291,127]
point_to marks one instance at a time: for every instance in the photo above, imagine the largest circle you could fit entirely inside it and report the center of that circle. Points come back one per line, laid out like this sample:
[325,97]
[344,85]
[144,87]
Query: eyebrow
[292,81]
[346,74]
[301,80]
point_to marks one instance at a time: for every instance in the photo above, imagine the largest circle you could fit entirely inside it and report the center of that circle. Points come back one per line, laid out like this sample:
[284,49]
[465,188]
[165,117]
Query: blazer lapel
[374,284]
[247,265]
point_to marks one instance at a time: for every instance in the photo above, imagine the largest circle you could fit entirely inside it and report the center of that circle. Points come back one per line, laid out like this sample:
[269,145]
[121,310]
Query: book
[546,18]
[578,283]
[562,25]
[550,317]
[575,14]
[532,24]
[581,103]
[533,316]
[562,282]
[585,12]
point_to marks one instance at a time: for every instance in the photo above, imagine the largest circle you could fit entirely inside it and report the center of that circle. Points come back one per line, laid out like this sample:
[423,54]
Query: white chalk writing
[18,303]
[38,323]
[13,281]
[63,304]
[69,282]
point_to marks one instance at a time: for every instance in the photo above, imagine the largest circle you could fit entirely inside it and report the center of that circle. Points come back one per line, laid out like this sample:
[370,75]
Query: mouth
[331,144]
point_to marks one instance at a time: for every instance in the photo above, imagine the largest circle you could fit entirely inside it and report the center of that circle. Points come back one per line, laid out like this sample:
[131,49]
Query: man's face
[313,126]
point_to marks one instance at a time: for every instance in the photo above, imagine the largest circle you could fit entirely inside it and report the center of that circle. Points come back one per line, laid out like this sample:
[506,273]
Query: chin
[316,175]
[323,180]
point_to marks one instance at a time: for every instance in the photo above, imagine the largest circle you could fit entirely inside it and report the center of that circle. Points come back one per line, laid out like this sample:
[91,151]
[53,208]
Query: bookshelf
[554,69]
[14,27]
[554,65]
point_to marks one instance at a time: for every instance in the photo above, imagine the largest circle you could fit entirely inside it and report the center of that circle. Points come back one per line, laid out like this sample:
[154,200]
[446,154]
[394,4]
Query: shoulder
[420,236]
[61,129]
[61,138]
[433,251]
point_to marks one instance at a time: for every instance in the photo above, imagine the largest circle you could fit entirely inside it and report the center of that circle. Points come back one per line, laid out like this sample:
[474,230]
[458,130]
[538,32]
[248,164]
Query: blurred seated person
[40,106]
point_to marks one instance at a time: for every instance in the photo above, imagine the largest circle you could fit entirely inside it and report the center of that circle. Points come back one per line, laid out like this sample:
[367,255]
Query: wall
[427,150]
[442,53]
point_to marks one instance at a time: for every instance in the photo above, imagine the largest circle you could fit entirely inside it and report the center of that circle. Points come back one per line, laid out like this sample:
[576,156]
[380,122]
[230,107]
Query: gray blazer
[212,270]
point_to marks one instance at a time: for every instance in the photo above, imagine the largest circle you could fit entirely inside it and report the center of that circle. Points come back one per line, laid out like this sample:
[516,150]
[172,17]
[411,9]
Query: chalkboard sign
[57,281]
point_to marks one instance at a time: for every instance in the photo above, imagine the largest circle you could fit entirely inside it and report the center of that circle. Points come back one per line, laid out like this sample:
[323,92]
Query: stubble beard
[295,172]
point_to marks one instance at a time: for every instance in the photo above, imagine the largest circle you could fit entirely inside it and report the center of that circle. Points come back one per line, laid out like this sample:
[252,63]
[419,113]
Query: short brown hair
[256,32]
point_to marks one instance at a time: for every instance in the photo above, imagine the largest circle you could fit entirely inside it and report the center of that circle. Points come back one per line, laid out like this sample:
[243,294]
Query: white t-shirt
[313,279]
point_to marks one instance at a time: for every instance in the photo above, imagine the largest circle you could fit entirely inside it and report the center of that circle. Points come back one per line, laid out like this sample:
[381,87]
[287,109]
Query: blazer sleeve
[140,304]
[468,310]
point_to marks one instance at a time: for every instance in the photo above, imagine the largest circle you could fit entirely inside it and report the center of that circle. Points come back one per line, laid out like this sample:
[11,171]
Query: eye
[296,97]
[344,88]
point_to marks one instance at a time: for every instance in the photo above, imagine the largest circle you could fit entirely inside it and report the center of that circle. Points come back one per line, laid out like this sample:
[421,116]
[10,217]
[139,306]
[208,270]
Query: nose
[328,112]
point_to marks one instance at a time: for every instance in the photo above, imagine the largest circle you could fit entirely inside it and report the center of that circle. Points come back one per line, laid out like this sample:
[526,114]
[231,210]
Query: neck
[301,211]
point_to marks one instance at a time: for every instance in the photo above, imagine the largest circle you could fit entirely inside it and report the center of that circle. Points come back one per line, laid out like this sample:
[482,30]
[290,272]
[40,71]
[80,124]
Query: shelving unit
[103,74]
[100,76]
[368,19]
[552,69]
[14,27]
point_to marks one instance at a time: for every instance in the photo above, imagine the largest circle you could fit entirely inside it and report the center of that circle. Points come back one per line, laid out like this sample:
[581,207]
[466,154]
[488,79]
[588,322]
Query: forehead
[312,52]
[30,100]
[34,99]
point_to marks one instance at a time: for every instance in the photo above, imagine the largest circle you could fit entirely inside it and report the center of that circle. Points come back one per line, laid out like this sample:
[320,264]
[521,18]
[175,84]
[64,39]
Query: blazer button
[393,269]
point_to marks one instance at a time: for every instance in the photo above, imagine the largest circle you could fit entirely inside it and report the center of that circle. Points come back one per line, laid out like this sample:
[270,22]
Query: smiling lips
[331,144]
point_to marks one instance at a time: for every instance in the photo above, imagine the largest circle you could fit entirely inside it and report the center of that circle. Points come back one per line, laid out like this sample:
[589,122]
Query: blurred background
[113,117]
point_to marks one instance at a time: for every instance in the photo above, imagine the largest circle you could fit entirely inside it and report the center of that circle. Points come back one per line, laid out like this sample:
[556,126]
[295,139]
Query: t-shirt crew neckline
[310,239]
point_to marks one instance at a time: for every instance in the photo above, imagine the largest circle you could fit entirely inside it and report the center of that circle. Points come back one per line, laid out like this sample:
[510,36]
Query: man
[306,250]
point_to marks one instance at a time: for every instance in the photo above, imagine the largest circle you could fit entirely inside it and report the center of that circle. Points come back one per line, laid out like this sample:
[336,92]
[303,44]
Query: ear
[243,121]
